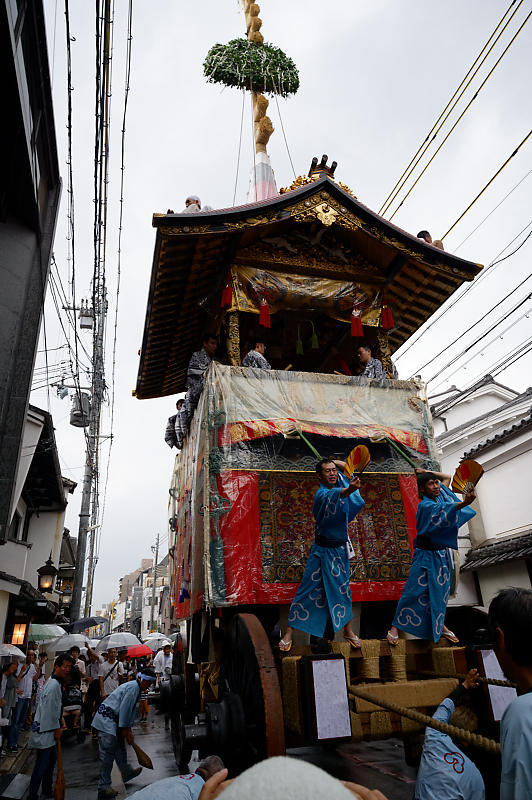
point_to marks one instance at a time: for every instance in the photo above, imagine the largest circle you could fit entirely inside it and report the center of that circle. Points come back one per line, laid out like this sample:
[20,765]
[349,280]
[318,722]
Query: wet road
[378,765]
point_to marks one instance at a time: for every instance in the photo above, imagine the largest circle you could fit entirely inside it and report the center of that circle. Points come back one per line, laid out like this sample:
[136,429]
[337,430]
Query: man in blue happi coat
[445,772]
[47,728]
[510,617]
[324,592]
[423,603]
[113,721]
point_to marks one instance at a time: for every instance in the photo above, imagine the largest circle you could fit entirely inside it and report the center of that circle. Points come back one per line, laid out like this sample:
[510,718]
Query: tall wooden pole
[262,125]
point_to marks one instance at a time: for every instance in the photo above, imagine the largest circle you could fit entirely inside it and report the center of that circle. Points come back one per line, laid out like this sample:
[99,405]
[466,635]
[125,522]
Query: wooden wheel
[248,670]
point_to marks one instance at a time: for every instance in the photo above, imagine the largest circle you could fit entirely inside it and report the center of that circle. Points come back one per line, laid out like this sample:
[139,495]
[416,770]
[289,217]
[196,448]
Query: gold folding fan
[467,476]
[357,460]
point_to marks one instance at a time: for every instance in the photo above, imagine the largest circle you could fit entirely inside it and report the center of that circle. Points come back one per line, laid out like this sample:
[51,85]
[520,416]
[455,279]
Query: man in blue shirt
[423,602]
[325,590]
[510,616]
[47,728]
[445,772]
[113,721]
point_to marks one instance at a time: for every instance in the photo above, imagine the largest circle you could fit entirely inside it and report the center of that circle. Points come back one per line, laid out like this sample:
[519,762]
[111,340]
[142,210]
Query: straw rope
[451,730]
[461,677]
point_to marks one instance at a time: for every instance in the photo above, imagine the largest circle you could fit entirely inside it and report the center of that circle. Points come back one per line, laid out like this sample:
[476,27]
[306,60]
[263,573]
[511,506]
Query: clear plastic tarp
[244,482]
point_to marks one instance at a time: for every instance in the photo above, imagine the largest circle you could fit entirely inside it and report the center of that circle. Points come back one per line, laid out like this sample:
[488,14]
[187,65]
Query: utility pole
[90,493]
[154,579]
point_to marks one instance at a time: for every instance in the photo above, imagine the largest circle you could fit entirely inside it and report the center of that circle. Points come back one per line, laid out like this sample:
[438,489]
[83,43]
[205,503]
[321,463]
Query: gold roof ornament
[317,171]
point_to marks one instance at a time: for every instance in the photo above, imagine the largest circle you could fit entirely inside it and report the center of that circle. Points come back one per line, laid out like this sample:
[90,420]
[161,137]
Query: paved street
[81,765]
[378,765]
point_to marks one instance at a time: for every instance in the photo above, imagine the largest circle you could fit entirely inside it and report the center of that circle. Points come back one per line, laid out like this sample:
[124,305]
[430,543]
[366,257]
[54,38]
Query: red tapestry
[269,529]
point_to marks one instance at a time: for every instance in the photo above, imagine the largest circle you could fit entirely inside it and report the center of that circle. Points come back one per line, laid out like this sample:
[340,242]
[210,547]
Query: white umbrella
[11,650]
[154,642]
[64,643]
[42,633]
[119,640]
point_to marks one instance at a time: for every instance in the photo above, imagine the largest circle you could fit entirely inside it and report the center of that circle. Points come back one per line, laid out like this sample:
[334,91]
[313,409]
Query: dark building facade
[30,189]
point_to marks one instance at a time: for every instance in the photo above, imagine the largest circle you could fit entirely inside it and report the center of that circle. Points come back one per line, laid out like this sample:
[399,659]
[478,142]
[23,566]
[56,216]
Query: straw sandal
[354,641]
[450,636]
[285,647]
[391,639]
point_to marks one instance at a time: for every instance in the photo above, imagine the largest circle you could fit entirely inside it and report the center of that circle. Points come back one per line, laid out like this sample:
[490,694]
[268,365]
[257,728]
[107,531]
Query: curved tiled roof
[507,433]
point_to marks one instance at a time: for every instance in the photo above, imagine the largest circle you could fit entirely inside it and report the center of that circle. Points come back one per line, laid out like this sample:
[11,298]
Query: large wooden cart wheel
[248,670]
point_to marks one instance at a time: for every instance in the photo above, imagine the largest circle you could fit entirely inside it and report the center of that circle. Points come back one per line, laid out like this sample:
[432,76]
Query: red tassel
[264,315]
[387,318]
[227,296]
[226,300]
[356,324]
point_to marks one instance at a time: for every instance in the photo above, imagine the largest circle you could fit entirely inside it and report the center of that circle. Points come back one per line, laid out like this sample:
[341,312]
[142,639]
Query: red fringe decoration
[226,300]
[387,318]
[264,315]
[356,324]
[227,297]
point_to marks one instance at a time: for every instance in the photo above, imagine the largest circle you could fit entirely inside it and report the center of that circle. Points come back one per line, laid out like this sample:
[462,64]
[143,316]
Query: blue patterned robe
[324,590]
[423,603]
[445,772]
[256,359]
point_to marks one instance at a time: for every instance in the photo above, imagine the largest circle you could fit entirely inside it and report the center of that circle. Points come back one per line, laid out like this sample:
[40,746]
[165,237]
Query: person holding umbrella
[113,721]
[47,728]
[8,697]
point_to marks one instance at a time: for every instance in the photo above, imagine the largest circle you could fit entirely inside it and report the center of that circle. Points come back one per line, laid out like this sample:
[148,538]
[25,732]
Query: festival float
[311,271]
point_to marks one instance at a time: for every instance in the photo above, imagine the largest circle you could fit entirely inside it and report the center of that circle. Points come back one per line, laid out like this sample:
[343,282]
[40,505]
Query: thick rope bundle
[451,730]
[461,677]
[371,649]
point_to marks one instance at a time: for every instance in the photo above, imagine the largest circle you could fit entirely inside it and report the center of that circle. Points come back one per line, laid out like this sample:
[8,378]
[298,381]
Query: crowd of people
[365,365]
[447,770]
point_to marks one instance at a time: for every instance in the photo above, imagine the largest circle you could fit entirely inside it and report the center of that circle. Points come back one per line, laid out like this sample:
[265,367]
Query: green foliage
[247,65]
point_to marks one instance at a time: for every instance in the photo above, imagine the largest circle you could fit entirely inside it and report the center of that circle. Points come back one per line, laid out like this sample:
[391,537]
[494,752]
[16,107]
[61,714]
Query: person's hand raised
[355,482]
[469,497]
[471,679]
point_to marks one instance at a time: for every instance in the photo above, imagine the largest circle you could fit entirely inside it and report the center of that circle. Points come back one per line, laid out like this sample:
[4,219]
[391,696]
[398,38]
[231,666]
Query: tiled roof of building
[507,433]
[489,555]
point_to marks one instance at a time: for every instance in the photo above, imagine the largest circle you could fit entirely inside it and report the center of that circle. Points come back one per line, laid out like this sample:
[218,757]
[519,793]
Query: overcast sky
[374,77]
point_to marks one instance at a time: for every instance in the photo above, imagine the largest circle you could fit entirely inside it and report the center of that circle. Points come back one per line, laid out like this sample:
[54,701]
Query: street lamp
[67,596]
[47,575]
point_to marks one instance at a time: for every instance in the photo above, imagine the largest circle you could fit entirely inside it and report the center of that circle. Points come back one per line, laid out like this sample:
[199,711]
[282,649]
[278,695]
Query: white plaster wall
[502,576]
[14,557]
[482,402]
[120,615]
[4,603]
[30,438]
[504,492]
[45,533]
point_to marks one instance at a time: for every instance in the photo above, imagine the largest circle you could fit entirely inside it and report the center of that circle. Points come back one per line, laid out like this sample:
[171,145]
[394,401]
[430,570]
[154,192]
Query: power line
[499,204]
[495,262]
[450,105]
[478,321]
[466,109]
[119,255]
[483,336]
[470,206]
[500,365]
[239,144]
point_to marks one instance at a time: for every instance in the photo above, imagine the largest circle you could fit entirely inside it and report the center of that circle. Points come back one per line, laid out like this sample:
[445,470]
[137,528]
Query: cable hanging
[426,143]
[496,261]
[466,109]
[470,206]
